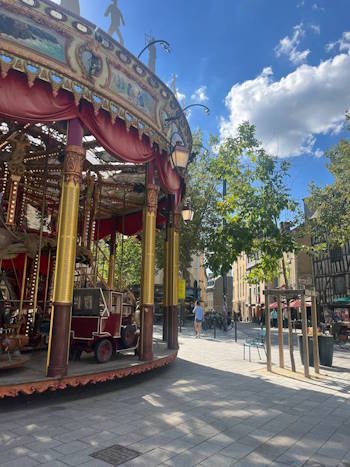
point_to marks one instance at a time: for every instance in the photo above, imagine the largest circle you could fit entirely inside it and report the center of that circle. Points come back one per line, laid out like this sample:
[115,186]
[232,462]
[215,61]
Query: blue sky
[282,64]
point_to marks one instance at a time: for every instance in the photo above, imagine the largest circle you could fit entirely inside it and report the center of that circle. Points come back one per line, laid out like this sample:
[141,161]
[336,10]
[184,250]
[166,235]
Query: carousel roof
[56,67]
[48,43]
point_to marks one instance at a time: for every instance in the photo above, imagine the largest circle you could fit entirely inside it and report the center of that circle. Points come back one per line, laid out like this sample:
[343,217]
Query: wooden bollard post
[280,331]
[315,335]
[268,330]
[290,337]
[305,337]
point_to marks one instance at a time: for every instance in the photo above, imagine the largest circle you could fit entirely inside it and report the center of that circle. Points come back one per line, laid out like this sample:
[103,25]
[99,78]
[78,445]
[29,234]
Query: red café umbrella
[274,306]
[297,304]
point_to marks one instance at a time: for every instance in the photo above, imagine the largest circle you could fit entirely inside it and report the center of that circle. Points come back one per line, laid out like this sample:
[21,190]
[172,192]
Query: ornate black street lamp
[179,155]
[187,212]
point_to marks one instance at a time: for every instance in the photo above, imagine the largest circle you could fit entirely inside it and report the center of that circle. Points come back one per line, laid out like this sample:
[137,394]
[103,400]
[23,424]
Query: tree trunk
[290,328]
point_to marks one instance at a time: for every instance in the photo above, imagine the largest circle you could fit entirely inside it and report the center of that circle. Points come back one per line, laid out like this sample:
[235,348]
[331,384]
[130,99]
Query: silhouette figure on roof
[116,17]
[71,5]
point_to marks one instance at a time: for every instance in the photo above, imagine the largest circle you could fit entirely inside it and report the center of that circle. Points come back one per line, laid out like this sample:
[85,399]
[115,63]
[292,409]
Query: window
[86,302]
[336,254]
[340,285]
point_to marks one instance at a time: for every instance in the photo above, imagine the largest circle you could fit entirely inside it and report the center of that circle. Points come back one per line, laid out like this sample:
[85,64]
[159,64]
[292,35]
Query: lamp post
[180,112]
[224,275]
[187,216]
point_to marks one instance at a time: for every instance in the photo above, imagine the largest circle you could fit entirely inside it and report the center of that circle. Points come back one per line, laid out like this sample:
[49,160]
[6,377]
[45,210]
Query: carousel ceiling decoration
[32,157]
[47,42]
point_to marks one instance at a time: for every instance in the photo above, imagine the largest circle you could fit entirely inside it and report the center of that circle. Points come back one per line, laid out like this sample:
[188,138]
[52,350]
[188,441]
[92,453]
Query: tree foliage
[201,190]
[128,261]
[257,196]
[331,204]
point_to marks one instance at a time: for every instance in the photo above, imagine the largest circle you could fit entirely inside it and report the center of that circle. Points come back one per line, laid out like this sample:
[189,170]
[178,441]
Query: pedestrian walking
[274,318]
[198,319]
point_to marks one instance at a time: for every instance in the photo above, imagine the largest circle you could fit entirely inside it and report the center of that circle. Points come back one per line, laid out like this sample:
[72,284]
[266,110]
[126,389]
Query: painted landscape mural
[29,34]
[131,91]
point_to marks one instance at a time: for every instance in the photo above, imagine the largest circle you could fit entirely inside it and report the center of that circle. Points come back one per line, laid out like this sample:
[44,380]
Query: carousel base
[30,377]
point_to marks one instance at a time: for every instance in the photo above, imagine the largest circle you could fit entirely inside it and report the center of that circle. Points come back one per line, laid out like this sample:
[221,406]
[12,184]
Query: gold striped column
[173,280]
[148,270]
[57,362]
[166,285]
[111,264]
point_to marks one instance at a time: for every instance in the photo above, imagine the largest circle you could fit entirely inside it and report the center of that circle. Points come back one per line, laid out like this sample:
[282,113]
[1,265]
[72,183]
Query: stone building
[249,299]
[214,293]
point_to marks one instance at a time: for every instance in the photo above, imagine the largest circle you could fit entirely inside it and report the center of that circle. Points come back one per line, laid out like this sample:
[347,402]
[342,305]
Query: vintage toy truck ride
[102,324]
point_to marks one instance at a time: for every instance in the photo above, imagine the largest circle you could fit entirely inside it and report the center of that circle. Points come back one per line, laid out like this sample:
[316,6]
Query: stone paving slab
[209,408]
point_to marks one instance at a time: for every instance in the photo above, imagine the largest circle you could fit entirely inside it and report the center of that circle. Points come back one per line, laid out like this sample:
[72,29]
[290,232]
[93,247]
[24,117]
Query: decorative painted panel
[47,43]
[131,91]
[29,34]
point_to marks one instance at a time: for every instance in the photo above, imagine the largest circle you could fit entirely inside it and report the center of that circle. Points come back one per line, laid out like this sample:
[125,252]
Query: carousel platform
[30,378]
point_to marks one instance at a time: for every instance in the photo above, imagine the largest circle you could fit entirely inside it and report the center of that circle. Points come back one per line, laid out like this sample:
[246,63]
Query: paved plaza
[209,408]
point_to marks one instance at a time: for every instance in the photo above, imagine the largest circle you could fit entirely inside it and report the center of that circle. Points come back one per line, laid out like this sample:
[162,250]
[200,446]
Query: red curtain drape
[130,225]
[168,178]
[127,146]
[38,105]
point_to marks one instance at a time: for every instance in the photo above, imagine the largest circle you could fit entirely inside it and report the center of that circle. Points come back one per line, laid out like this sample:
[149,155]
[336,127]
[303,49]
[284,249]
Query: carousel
[92,145]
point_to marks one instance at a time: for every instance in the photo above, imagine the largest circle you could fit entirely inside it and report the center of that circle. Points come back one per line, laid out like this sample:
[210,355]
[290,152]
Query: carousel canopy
[56,67]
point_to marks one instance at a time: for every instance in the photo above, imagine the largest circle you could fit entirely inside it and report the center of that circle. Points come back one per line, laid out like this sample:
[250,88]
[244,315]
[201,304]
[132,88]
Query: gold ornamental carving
[73,164]
[20,150]
[152,198]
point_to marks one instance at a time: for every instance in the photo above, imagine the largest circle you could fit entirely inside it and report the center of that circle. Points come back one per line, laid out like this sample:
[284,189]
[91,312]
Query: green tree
[201,190]
[331,204]
[257,196]
[128,261]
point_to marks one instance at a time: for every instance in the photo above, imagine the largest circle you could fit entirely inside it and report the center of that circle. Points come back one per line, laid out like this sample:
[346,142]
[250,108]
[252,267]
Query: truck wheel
[128,336]
[103,351]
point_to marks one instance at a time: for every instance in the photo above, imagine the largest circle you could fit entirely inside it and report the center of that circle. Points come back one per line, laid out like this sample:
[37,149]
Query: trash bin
[325,346]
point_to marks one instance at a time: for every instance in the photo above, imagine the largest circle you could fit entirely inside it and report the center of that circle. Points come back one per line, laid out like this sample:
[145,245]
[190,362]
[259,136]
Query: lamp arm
[180,112]
[196,105]
[152,43]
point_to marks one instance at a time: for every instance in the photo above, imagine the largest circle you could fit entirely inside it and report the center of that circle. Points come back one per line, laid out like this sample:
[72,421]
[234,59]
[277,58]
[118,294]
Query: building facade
[249,299]
[240,286]
[214,293]
[332,276]
[331,270]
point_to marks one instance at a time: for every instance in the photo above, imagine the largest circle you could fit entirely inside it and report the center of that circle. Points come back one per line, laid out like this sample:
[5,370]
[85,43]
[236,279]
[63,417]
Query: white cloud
[181,97]
[316,28]
[318,152]
[317,7]
[291,112]
[343,43]
[289,46]
[200,94]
